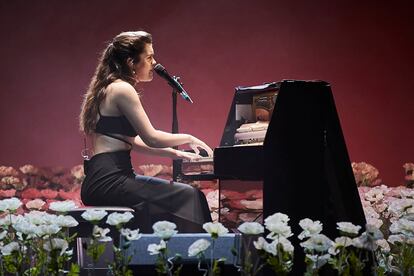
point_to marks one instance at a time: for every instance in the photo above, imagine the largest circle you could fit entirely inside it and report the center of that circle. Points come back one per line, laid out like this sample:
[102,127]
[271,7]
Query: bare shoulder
[121,87]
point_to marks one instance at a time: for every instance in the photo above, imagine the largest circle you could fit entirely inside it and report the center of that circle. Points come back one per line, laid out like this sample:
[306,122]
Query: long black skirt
[110,181]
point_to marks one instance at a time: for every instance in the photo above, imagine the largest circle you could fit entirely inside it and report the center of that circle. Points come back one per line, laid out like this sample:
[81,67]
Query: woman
[112,115]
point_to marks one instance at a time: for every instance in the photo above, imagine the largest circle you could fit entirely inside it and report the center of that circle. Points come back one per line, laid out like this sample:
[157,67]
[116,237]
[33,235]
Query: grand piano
[303,164]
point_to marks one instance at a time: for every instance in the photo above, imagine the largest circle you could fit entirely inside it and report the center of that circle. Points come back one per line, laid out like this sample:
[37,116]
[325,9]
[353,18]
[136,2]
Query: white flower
[399,207]
[340,242]
[270,248]
[115,219]
[9,248]
[56,244]
[197,247]
[318,242]
[164,229]
[374,222]
[251,228]
[383,244]
[318,261]
[260,243]
[94,214]
[100,234]
[62,206]
[286,245]
[373,232]
[309,228]
[47,229]
[374,195]
[396,238]
[275,218]
[3,235]
[49,218]
[3,206]
[6,221]
[349,228]
[36,217]
[25,227]
[12,203]
[131,235]
[155,249]
[279,229]
[215,229]
[66,221]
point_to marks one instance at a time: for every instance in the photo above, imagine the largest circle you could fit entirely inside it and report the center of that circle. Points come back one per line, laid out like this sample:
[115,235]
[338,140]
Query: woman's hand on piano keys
[191,156]
[197,143]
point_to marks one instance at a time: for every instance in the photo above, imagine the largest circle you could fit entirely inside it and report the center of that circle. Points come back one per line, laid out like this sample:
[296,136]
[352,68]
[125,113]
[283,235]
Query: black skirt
[110,181]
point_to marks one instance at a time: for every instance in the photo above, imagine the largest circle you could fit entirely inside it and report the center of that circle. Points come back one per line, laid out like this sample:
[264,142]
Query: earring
[133,72]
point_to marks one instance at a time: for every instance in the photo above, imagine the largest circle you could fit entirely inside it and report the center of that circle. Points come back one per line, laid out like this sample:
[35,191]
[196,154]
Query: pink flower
[29,170]
[7,193]
[72,195]
[30,193]
[8,171]
[48,193]
[409,168]
[77,172]
[35,204]
[365,174]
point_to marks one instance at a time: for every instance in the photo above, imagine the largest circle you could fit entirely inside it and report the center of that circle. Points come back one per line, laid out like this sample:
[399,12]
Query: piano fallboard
[239,162]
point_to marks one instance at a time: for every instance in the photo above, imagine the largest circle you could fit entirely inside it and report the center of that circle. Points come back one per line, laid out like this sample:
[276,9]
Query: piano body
[302,166]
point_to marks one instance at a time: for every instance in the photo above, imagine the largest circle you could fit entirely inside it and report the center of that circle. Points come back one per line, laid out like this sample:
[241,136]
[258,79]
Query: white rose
[25,227]
[278,229]
[374,222]
[9,248]
[11,204]
[100,234]
[383,244]
[286,245]
[62,206]
[215,229]
[115,219]
[66,221]
[49,218]
[155,249]
[396,238]
[164,229]
[276,218]
[251,228]
[318,242]
[47,229]
[94,215]
[260,243]
[56,244]
[309,228]
[340,242]
[197,247]
[131,235]
[3,235]
[318,261]
[348,227]
[36,217]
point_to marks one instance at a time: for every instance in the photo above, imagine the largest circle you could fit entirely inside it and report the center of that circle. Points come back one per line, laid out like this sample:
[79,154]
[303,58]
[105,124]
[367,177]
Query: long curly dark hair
[113,64]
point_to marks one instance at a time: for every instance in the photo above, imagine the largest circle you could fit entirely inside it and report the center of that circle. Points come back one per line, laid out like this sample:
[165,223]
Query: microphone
[172,81]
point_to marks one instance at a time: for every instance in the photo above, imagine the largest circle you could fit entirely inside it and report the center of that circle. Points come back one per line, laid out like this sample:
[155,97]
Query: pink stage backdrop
[49,51]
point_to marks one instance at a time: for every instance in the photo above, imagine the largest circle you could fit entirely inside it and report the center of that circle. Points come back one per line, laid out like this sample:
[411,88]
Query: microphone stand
[177,162]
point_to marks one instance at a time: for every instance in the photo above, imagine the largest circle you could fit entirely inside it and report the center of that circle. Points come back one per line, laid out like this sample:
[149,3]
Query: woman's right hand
[197,143]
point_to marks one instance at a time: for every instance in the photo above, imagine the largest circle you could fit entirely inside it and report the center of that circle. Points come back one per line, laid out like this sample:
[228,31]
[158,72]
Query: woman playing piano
[113,117]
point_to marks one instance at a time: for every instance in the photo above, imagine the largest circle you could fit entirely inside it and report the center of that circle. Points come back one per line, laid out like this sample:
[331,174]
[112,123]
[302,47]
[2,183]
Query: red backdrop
[49,51]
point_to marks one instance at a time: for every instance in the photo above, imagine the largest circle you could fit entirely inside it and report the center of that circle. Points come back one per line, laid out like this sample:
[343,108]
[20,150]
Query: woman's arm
[141,147]
[129,104]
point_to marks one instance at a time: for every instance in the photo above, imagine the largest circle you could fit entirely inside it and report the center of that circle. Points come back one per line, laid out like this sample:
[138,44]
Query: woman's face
[144,68]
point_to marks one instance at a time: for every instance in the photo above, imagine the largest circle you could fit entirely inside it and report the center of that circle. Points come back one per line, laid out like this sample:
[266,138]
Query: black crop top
[114,124]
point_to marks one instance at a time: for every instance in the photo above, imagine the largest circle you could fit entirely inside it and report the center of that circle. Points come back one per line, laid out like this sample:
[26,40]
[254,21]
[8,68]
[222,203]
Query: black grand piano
[303,164]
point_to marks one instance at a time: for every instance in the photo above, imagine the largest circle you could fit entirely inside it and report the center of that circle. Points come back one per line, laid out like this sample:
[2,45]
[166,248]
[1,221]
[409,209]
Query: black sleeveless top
[114,124]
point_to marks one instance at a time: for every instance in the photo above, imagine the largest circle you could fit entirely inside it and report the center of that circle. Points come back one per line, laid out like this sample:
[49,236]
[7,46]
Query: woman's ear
[130,63]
